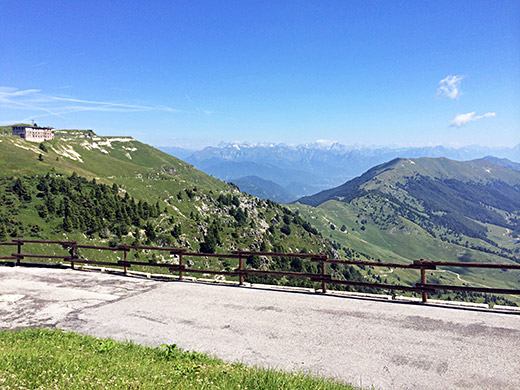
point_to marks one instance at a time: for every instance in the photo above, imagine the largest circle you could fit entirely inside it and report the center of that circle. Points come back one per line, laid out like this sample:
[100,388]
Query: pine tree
[3,232]
[14,232]
[43,212]
[209,244]
[214,231]
[176,231]
[21,190]
[49,204]
[67,224]
[150,232]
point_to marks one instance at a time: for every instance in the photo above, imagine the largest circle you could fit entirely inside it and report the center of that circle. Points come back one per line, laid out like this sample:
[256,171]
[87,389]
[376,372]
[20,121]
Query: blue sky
[194,73]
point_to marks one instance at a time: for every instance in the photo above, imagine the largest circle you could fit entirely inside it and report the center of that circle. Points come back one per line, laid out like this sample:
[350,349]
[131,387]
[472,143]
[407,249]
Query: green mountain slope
[113,190]
[442,196]
[436,209]
[148,174]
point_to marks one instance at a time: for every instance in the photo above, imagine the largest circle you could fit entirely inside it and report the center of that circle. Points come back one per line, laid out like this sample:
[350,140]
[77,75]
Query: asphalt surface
[365,342]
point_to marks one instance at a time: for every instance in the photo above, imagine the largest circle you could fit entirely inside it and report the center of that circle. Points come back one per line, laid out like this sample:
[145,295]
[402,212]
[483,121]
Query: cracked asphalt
[366,342]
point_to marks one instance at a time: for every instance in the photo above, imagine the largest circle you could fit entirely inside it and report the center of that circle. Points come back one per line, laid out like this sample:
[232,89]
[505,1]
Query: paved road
[365,342]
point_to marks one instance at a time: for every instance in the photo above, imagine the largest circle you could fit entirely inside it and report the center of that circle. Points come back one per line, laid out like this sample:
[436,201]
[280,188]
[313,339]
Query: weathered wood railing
[240,272]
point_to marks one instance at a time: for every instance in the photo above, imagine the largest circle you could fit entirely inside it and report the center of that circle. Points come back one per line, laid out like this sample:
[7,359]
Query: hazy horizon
[316,143]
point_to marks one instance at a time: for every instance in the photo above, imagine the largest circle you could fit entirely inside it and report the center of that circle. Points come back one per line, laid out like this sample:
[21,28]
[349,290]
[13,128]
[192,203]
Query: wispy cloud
[22,100]
[40,64]
[43,105]
[92,104]
[206,112]
[12,92]
[450,87]
[462,119]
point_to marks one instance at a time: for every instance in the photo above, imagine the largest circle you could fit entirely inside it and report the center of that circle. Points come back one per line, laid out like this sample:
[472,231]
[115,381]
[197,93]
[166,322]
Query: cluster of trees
[81,205]
[462,202]
[228,200]
[91,207]
[75,204]
[211,238]
[14,195]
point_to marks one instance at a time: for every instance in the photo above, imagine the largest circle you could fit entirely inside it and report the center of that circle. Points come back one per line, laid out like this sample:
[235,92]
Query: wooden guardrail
[322,277]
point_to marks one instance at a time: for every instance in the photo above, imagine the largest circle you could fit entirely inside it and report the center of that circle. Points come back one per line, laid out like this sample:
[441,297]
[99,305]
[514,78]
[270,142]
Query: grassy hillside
[451,200]
[87,188]
[435,209]
[147,174]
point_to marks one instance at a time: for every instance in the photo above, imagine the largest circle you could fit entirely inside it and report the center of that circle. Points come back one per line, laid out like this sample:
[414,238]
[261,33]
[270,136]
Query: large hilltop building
[34,133]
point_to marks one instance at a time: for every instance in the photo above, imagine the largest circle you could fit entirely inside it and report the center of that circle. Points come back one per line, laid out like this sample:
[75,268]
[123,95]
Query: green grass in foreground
[52,359]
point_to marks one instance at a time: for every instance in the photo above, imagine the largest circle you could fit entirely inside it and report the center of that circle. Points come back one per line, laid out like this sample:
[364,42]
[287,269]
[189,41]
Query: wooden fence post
[125,258]
[72,253]
[323,282]
[19,252]
[423,281]
[180,266]
[241,268]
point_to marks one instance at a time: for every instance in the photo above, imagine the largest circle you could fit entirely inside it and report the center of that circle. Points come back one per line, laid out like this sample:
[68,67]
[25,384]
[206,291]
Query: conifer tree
[44,211]
[21,190]
[150,232]
[209,244]
[176,231]
[3,232]
[67,224]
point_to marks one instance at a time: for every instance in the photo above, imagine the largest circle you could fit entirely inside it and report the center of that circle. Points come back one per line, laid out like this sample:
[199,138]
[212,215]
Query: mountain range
[307,169]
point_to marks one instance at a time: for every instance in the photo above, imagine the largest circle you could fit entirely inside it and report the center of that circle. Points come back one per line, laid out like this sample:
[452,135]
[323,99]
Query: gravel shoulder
[366,342]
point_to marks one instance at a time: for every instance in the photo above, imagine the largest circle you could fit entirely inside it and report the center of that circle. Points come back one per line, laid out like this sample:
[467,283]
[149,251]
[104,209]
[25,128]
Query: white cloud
[326,142]
[450,87]
[40,64]
[6,92]
[34,101]
[462,119]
